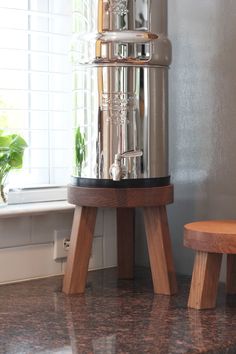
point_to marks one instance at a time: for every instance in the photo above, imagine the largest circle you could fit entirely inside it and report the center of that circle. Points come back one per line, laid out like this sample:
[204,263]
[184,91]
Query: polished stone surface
[112,317]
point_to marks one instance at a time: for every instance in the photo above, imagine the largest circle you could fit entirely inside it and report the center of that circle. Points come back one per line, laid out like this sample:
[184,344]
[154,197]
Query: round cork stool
[211,239]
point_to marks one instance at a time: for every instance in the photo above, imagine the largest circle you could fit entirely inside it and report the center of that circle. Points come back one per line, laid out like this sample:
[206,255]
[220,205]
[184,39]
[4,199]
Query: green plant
[80,150]
[11,156]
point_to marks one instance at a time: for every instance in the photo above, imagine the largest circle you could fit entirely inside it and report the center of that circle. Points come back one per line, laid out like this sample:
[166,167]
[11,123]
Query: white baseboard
[23,257]
[36,261]
[27,262]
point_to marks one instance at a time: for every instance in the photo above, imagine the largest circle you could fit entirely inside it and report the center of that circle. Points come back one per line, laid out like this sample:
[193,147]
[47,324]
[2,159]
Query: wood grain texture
[231,274]
[160,250]
[120,197]
[217,236]
[80,250]
[125,242]
[204,284]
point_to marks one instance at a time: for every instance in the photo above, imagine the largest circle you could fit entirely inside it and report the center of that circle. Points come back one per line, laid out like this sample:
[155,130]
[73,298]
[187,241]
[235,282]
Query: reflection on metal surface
[118,170]
[129,48]
[118,104]
[118,101]
[121,72]
[118,7]
[119,36]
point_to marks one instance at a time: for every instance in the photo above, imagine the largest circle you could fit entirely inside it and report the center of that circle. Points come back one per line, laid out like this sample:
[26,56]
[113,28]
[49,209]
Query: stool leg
[205,279]
[231,274]
[125,242]
[80,250]
[160,250]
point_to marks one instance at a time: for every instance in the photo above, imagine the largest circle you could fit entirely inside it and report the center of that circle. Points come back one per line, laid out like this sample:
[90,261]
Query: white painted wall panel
[109,239]
[99,223]
[15,231]
[26,244]
[43,226]
[27,262]
[96,260]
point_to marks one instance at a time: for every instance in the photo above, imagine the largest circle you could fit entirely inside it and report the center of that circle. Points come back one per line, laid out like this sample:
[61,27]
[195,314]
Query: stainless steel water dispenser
[121,56]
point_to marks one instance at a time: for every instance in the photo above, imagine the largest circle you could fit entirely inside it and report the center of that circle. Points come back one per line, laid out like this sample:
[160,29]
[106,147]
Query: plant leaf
[11,152]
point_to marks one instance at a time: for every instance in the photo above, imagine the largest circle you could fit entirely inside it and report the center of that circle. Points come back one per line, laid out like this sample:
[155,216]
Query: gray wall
[202,118]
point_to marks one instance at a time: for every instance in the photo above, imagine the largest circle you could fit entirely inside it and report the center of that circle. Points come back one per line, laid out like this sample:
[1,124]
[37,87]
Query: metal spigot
[117,170]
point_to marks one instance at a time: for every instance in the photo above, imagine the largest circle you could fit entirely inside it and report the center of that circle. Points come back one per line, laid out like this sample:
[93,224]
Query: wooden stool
[210,239]
[153,201]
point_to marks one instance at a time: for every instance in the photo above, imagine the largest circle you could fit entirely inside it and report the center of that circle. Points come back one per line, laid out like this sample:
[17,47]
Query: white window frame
[39,193]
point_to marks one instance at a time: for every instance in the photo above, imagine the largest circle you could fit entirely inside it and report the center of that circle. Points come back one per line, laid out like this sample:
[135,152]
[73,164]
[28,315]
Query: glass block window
[36,87]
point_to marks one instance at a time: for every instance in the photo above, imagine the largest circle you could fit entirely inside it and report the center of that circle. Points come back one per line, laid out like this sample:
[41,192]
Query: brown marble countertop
[112,317]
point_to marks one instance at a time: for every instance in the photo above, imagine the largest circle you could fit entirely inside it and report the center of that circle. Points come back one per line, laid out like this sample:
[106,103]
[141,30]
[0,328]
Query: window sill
[11,211]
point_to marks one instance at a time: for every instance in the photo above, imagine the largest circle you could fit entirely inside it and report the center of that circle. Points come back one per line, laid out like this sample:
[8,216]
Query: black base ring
[125,183]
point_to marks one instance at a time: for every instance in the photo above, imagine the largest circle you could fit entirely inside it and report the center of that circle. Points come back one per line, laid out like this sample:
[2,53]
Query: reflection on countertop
[114,316]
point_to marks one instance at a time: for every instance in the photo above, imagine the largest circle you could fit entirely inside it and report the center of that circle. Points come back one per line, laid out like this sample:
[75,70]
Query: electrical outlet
[61,244]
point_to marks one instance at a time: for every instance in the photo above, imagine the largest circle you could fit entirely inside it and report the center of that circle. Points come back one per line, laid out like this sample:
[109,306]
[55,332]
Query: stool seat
[210,239]
[217,236]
